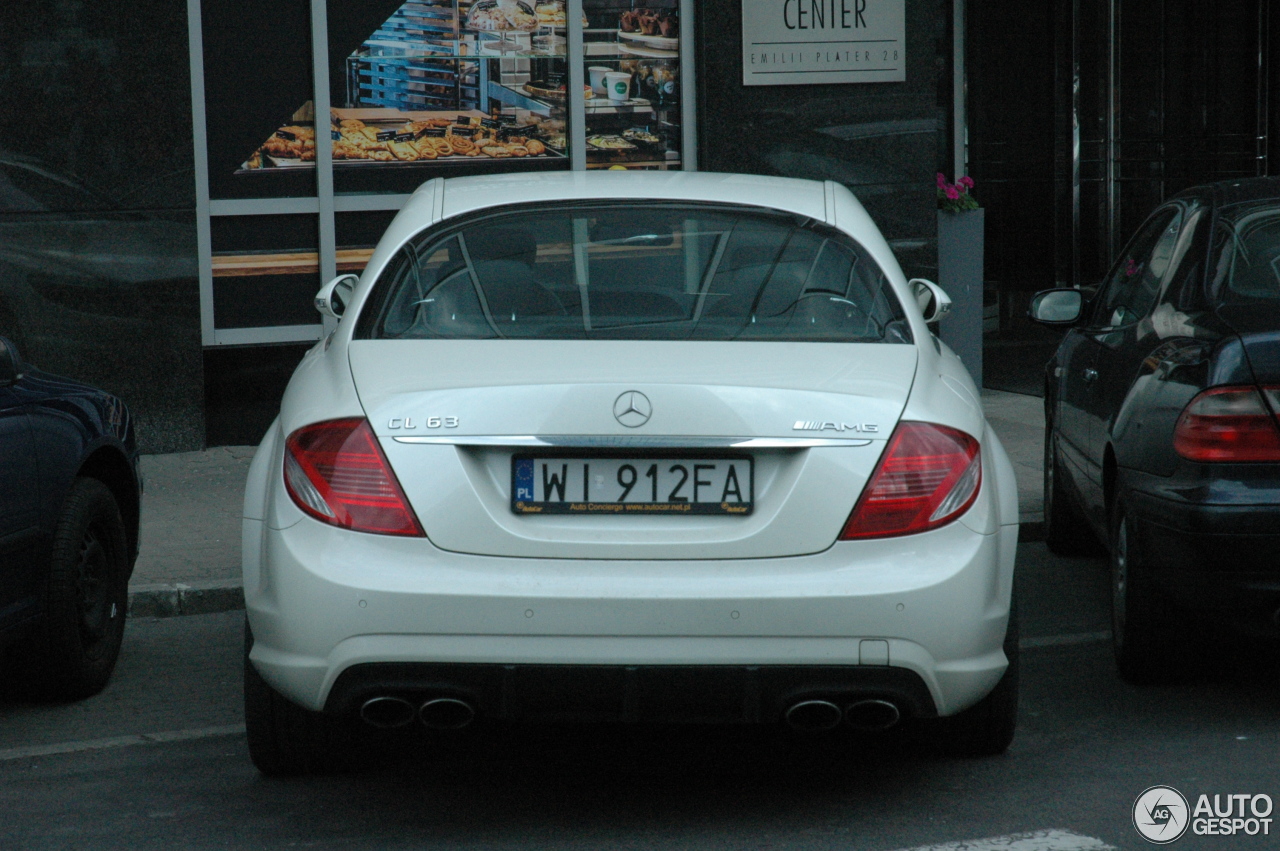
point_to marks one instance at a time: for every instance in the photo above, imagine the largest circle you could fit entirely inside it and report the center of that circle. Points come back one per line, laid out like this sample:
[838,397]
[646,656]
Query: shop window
[445,88]
[632,54]
[258,90]
[416,89]
[264,271]
[357,234]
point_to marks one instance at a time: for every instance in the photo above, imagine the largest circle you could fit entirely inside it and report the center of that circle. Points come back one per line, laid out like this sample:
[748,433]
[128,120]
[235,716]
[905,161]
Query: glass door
[633,106]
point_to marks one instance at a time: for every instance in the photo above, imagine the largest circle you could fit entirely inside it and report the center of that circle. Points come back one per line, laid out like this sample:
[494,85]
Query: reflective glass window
[1137,275]
[644,272]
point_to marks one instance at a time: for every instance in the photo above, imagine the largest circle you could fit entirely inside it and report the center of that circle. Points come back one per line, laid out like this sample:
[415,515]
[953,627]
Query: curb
[162,600]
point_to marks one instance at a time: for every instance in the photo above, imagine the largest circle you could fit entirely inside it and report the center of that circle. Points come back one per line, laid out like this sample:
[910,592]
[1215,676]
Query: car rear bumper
[1214,558]
[630,693]
[337,615]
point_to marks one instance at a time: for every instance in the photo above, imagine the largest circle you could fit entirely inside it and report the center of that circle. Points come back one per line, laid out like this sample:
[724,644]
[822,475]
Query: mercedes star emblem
[632,409]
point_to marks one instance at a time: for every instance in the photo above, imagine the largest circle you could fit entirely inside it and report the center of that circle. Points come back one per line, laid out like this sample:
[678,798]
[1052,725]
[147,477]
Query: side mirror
[333,298]
[933,302]
[1057,307]
[10,362]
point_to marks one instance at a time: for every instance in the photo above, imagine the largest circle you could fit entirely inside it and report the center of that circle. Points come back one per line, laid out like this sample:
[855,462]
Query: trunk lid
[1258,325]
[451,415]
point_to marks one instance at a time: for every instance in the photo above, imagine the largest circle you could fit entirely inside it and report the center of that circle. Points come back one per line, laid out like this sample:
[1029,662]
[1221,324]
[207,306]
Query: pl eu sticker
[524,479]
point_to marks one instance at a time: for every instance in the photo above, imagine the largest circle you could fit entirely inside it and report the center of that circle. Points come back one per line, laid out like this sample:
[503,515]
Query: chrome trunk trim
[628,441]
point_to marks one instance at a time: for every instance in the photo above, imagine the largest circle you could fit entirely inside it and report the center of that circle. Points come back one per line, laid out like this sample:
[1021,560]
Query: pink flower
[955,197]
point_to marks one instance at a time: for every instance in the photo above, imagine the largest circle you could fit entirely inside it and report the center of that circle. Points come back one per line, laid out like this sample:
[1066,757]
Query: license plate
[649,485]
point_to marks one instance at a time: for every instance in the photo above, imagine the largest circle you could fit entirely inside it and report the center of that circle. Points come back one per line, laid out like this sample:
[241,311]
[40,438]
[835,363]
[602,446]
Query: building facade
[178,177]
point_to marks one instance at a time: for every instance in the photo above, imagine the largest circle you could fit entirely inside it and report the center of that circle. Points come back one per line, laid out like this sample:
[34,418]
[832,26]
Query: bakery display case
[411,62]
[455,84]
[447,84]
[632,57]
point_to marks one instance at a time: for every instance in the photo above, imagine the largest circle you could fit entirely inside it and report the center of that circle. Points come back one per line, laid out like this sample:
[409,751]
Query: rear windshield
[1247,254]
[634,272]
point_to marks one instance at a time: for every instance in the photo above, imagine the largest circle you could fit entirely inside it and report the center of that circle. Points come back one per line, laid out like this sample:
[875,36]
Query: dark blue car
[1162,422]
[69,506]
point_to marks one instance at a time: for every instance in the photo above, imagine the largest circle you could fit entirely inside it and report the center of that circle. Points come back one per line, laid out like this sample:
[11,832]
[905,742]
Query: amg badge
[815,425]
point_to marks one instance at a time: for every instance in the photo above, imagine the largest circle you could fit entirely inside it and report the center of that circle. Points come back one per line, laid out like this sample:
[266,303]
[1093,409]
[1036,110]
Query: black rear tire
[1144,635]
[987,727]
[286,740]
[73,652]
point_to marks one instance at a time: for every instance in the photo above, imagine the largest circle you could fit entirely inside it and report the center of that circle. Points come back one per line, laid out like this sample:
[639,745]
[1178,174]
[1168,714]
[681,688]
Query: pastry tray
[660,42]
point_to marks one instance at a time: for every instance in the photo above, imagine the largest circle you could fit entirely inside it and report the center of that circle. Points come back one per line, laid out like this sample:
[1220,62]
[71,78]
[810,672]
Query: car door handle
[1090,375]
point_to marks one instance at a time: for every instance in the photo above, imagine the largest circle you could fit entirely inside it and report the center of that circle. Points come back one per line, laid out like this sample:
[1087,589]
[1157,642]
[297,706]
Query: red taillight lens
[929,475]
[1228,424]
[336,472]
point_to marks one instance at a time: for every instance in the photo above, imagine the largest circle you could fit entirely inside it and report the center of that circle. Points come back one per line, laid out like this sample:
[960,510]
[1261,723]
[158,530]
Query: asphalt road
[158,761]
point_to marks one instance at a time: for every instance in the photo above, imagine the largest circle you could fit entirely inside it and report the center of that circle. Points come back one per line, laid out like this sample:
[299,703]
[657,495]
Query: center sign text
[801,42]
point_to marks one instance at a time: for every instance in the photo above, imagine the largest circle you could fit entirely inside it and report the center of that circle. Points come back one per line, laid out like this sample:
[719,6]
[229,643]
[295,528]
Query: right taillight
[929,475]
[336,472]
[1229,424]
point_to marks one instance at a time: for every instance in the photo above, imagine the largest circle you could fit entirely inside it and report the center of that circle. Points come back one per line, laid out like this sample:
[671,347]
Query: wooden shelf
[286,263]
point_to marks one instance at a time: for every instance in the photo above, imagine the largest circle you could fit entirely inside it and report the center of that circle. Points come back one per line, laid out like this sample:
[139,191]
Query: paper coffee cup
[618,85]
[597,73]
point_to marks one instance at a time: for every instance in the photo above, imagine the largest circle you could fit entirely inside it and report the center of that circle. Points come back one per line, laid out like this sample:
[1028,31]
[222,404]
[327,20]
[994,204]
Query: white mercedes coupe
[619,446]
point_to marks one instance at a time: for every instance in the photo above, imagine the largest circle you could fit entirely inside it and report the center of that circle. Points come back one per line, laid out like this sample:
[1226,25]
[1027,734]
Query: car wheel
[1142,634]
[286,740]
[1065,532]
[74,650]
[987,727]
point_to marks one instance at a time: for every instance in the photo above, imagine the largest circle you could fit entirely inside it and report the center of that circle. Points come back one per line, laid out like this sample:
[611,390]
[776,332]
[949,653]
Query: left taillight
[1230,423]
[336,472]
[928,476]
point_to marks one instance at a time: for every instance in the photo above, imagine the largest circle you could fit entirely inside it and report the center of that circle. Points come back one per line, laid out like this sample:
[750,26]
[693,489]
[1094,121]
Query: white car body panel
[389,599]
[872,380]
[559,389]
[488,586]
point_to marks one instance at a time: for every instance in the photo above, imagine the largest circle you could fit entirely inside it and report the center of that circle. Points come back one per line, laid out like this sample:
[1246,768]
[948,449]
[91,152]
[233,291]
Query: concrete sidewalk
[190,552]
[1018,420]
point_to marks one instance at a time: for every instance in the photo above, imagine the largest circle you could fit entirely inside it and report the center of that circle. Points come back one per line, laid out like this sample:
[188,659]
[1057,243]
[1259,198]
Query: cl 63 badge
[429,422]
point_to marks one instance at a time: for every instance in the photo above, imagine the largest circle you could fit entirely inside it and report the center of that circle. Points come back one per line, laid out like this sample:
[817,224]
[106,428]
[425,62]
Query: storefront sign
[802,42]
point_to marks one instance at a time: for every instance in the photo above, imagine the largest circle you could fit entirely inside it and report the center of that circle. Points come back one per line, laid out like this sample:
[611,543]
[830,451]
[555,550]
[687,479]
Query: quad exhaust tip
[813,716]
[387,712]
[446,713]
[872,716]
